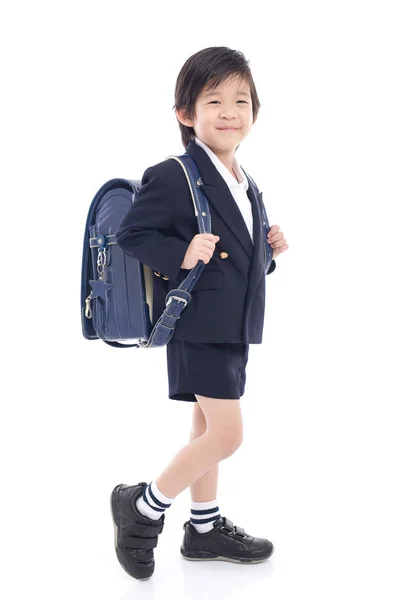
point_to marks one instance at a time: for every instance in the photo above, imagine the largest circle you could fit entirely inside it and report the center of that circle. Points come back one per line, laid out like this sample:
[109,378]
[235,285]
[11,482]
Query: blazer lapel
[220,196]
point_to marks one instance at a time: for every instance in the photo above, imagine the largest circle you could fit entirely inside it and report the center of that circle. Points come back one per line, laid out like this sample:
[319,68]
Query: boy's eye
[218,101]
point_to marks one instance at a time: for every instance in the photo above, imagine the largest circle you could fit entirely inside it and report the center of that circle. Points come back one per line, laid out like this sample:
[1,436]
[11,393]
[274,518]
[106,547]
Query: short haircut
[207,69]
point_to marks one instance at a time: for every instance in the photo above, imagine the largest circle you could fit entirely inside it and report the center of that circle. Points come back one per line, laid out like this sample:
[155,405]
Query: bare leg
[222,438]
[205,488]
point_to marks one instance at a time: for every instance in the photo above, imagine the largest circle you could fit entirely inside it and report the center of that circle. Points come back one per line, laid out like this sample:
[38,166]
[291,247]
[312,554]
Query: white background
[87,95]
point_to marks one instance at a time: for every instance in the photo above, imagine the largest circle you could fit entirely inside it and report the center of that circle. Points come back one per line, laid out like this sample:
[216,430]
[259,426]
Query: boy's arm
[143,232]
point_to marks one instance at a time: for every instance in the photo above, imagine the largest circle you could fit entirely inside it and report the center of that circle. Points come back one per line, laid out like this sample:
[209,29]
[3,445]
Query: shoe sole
[113,507]
[203,555]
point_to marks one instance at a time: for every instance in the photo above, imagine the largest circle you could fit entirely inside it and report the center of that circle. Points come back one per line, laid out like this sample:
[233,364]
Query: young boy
[216,106]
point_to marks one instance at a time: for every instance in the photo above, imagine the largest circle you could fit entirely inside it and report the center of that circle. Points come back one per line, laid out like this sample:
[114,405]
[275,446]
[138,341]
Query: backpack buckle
[176,298]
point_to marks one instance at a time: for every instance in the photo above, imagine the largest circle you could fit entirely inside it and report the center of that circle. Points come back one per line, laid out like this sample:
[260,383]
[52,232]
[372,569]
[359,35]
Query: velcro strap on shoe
[240,531]
[147,530]
[228,524]
[131,541]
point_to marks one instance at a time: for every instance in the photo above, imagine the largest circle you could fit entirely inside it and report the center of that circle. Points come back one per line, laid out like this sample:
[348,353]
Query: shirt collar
[224,172]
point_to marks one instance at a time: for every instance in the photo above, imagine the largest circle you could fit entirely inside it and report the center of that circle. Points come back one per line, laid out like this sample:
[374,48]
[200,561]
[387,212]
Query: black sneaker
[224,542]
[135,534]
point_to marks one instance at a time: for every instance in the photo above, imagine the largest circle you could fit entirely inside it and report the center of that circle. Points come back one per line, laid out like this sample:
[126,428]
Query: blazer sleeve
[144,231]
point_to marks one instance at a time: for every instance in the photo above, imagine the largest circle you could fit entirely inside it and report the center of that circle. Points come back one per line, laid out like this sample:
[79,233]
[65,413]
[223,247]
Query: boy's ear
[181,115]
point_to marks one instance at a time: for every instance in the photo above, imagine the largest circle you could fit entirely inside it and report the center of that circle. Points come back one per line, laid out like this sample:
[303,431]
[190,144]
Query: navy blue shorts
[212,370]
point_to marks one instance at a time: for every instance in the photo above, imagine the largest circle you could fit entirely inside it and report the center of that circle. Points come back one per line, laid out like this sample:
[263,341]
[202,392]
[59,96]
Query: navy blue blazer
[228,301]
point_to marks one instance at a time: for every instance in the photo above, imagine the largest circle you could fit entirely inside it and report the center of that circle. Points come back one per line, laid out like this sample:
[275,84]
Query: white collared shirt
[238,188]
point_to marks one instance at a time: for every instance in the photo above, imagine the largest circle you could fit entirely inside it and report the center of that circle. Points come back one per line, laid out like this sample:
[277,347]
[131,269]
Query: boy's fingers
[277,236]
[274,236]
[273,229]
[209,236]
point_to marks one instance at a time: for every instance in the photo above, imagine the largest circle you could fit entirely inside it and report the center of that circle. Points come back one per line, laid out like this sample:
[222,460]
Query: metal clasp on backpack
[176,298]
[102,258]
[88,309]
[101,262]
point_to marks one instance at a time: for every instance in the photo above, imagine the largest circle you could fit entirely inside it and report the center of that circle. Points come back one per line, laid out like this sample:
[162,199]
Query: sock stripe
[156,501]
[207,511]
[151,506]
[144,502]
[203,515]
[202,521]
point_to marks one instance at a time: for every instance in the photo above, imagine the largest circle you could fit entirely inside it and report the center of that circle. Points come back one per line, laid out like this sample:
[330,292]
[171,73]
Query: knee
[228,441]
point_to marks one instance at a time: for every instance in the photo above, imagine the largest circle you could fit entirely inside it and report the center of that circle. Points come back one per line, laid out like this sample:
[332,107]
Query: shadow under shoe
[224,542]
[135,535]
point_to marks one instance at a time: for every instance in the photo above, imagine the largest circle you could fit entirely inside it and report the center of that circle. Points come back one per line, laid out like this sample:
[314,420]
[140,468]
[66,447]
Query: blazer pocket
[210,279]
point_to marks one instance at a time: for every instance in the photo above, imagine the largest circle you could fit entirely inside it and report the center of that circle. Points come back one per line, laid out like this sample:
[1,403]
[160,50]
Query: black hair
[207,69]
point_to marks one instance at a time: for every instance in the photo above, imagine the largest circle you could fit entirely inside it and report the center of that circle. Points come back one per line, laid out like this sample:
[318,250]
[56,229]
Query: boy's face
[228,105]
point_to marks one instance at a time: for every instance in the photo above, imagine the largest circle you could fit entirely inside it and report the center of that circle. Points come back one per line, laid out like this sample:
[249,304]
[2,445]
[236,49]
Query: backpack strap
[262,203]
[268,250]
[178,298]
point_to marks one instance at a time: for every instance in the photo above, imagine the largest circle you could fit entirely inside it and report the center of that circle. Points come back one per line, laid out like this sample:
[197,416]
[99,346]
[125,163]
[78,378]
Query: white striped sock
[203,515]
[153,503]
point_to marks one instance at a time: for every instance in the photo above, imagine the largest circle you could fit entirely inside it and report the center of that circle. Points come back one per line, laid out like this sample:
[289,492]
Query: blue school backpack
[116,289]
